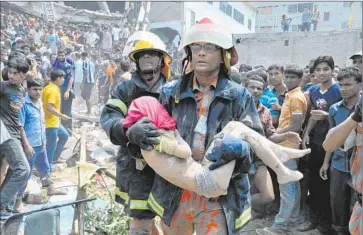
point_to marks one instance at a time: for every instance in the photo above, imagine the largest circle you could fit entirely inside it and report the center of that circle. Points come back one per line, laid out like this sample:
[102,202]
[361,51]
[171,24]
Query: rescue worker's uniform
[133,185]
[182,211]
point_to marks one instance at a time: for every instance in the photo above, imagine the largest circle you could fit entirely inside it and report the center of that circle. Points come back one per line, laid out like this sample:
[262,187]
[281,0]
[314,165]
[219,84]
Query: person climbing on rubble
[34,141]
[203,103]
[133,185]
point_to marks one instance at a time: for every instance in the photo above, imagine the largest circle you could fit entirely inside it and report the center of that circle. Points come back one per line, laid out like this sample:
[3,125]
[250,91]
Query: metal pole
[78,219]
[81,191]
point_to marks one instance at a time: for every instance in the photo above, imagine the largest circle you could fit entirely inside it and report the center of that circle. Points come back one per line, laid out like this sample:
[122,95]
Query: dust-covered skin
[270,153]
[185,172]
[259,143]
[189,174]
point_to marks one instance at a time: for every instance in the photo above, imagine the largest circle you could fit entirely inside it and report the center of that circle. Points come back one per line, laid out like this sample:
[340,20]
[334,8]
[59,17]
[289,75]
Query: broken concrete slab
[72,141]
[59,166]
[67,154]
[103,157]
[33,192]
[85,117]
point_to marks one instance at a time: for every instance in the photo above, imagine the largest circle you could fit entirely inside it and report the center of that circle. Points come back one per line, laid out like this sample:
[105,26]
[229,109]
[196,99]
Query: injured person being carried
[230,152]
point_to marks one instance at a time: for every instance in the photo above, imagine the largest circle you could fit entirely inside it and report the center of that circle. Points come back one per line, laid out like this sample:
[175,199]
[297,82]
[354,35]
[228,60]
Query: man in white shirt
[125,33]
[37,36]
[116,33]
[45,47]
[78,74]
[91,37]
[46,67]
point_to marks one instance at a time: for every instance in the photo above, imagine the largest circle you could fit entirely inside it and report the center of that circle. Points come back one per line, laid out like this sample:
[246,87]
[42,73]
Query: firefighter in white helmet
[134,179]
[202,102]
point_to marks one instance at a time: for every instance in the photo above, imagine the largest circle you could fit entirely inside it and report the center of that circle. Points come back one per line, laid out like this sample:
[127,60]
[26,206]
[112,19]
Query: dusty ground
[69,175]
[251,227]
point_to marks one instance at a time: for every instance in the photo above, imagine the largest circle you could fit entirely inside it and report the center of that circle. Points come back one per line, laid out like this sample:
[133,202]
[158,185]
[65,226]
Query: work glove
[144,134]
[228,148]
[168,143]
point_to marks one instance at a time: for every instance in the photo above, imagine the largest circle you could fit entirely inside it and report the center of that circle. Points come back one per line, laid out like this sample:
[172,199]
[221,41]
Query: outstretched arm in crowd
[28,149]
[309,128]
[278,138]
[52,110]
[326,165]
[295,125]
[69,88]
[337,136]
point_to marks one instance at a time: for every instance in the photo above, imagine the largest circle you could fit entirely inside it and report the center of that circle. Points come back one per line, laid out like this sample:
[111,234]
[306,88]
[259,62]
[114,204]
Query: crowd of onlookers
[44,67]
[322,95]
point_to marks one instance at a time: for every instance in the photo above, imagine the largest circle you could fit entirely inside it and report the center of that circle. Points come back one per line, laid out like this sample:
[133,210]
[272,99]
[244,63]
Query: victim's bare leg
[266,150]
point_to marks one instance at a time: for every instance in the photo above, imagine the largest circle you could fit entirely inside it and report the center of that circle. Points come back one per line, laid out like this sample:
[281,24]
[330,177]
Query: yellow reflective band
[155,206]
[243,219]
[176,100]
[119,104]
[122,195]
[138,205]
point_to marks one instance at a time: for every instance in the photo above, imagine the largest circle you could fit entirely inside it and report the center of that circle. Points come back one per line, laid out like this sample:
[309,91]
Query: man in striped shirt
[88,80]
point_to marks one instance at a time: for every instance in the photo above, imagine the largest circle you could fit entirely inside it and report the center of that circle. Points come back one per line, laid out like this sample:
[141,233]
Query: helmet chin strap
[149,75]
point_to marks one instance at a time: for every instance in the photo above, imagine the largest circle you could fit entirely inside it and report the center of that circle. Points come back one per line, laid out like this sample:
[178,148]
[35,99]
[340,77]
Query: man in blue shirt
[53,39]
[321,97]
[67,89]
[278,90]
[340,192]
[306,20]
[32,118]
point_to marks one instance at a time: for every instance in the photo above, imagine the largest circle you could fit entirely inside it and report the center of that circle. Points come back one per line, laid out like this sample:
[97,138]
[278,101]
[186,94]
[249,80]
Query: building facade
[237,17]
[332,15]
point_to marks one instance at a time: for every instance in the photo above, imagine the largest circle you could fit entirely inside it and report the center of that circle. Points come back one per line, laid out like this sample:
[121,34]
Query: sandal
[267,231]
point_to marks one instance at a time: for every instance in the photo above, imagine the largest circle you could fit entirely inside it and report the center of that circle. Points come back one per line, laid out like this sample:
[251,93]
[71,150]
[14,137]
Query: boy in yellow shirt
[51,98]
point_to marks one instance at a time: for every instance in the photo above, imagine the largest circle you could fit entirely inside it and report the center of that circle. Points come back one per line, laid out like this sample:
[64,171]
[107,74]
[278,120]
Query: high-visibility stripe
[122,195]
[134,204]
[138,205]
[243,219]
[119,104]
[155,206]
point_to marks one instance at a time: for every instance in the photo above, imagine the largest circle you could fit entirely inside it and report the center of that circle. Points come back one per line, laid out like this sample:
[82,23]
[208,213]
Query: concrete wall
[268,48]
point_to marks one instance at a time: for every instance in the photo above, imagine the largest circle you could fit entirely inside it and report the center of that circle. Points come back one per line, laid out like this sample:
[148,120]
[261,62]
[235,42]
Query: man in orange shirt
[109,79]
